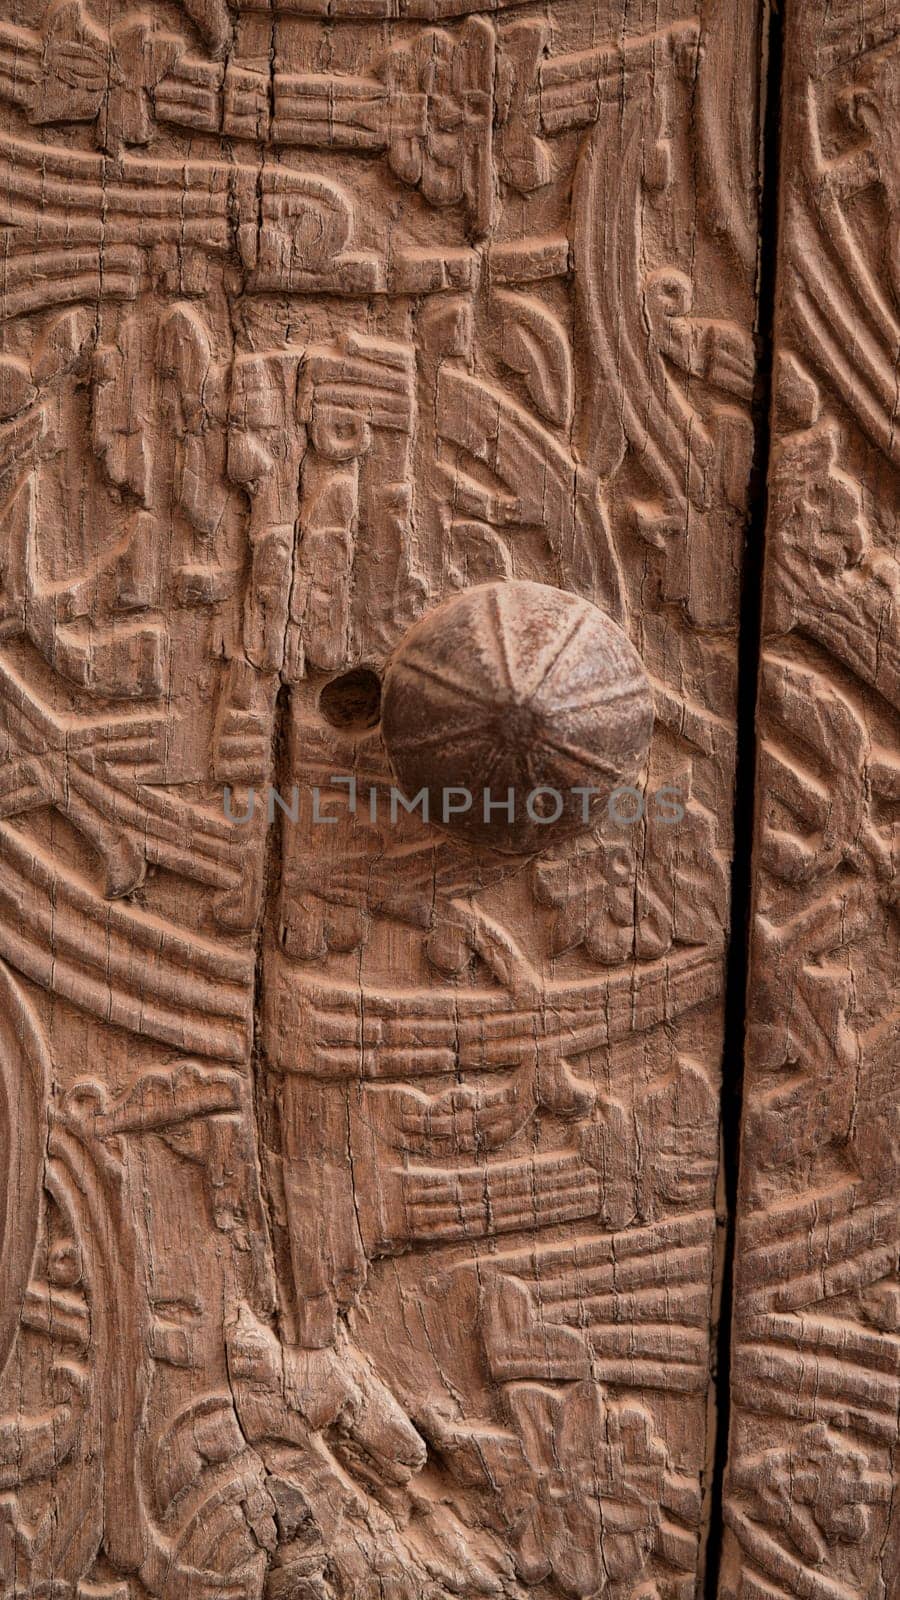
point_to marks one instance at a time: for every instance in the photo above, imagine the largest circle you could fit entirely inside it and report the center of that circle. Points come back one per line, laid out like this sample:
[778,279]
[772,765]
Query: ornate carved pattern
[370,1172]
[816,1370]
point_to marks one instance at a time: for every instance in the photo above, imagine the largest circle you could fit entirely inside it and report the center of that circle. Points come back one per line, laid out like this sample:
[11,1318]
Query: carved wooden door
[378,404]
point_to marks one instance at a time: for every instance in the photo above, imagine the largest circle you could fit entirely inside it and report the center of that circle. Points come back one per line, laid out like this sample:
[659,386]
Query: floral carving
[818,1491]
[441,117]
[638,890]
[592,1510]
[89,75]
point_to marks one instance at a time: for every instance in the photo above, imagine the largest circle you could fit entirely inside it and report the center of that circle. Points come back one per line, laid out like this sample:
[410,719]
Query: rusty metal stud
[515,693]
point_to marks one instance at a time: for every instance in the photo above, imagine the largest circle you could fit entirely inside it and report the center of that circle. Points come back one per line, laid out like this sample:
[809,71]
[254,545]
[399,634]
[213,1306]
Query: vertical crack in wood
[773,22]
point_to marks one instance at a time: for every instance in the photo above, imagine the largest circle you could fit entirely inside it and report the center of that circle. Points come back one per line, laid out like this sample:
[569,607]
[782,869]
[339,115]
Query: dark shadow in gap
[749,650]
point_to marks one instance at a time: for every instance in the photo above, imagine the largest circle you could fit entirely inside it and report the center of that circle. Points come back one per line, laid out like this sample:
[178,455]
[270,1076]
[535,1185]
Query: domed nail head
[508,689]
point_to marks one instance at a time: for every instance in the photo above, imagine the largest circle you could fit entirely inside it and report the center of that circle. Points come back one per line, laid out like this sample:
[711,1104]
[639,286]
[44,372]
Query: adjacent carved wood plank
[359,1234]
[811,1495]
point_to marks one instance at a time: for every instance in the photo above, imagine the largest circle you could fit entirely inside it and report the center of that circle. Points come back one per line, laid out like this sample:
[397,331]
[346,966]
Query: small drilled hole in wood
[353,700]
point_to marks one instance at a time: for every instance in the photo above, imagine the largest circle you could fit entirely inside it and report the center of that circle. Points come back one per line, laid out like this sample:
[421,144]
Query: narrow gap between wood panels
[749,650]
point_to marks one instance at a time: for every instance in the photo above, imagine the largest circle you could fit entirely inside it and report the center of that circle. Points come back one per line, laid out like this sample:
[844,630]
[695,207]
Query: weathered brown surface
[360,1234]
[816,1374]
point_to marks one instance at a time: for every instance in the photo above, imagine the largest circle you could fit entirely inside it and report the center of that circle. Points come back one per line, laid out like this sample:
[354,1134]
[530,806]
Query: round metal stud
[522,697]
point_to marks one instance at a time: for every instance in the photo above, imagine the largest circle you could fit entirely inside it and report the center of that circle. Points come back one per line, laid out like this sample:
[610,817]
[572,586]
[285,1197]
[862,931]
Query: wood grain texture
[811,1502]
[360,1234]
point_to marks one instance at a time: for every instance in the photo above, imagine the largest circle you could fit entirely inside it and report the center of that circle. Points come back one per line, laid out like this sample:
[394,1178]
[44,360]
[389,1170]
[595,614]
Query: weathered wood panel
[816,1371]
[360,1232]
